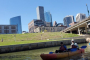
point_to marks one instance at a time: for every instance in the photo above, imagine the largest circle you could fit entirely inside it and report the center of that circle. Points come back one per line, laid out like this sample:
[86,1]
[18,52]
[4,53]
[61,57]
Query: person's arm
[71,46]
[76,45]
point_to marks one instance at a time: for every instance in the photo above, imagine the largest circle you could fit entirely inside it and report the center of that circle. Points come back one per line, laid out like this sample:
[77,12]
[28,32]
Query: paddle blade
[83,47]
[73,49]
[50,52]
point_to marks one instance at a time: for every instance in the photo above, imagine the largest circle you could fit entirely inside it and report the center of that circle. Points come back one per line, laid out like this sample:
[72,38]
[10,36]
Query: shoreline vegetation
[14,39]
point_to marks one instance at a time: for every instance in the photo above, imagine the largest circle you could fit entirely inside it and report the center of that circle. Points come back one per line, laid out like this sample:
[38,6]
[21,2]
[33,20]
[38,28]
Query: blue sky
[27,9]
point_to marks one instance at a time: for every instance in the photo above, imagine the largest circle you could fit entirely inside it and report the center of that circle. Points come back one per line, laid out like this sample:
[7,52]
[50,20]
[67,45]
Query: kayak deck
[60,55]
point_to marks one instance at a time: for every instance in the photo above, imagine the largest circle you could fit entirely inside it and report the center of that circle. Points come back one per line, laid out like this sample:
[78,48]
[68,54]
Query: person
[74,45]
[77,46]
[62,48]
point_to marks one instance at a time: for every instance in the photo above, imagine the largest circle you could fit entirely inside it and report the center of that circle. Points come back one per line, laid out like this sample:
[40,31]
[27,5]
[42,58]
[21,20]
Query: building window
[13,31]
[6,27]
[13,27]
[51,29]
[29,29]
[83,17]
[0,31]
[6,31]
[0,27]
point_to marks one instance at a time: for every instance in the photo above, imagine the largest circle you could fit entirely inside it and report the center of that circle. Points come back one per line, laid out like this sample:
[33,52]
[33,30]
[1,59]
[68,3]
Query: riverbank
[35,54]
[21,47]
[14,39]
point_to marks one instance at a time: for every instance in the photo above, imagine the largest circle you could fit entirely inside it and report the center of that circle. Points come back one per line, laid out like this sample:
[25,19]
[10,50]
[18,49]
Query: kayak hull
[60,55]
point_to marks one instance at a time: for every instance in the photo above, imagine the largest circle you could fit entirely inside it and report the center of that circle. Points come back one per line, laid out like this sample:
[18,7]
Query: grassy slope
[9,39]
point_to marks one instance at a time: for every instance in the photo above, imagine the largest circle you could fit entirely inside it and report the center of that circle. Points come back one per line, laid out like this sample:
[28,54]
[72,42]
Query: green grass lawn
[23,42]
[9,39]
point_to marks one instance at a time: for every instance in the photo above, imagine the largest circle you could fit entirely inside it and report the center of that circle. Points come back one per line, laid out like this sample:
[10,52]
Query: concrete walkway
[80,37]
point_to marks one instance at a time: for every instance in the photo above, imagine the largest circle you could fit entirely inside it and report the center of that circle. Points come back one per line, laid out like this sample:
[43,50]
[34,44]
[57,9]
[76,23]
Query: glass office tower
[48,17]
[68,19]
[17,21]
[40,13]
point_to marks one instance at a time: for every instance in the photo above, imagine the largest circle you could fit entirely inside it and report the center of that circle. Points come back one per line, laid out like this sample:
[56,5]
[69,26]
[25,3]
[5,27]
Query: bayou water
[35,54]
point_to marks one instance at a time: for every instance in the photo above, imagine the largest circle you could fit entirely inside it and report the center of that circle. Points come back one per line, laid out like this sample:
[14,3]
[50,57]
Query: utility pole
[15,37]
[6,29]
[41,36]
[87,10]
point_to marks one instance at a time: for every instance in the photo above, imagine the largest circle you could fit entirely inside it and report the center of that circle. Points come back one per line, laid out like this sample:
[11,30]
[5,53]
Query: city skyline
[58,9]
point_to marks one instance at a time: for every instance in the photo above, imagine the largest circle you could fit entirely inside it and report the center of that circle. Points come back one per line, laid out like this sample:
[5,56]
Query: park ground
[13,39]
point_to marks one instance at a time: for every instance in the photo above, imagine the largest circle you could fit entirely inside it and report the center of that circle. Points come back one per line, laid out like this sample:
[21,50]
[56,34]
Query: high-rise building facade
[40,13]
[80,17]
[34,24]
[48,17]
[54,23]
[17,21]
[68,19]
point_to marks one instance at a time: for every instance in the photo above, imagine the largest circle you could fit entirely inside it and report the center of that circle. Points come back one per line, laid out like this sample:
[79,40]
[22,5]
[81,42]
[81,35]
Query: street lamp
[87,10]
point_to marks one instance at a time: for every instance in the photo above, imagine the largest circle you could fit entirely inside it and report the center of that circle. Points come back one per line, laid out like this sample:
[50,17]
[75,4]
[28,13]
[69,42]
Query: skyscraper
[16,21]
[68,19]
[54,23]
[40,13]
[80,17]
[48,17]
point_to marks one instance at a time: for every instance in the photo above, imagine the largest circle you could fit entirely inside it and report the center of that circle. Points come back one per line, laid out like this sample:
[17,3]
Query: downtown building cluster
[69,20]
[44,22]
[41,24]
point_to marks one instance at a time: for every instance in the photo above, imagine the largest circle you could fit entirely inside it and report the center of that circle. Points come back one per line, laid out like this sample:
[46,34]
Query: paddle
[83,47]
[73,49]
[51,52]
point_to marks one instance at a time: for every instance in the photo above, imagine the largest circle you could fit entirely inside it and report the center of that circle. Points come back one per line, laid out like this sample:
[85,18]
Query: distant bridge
[82,27]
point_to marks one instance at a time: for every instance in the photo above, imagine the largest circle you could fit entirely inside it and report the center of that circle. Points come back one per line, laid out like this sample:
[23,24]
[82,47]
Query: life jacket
[73,46]
[62,48]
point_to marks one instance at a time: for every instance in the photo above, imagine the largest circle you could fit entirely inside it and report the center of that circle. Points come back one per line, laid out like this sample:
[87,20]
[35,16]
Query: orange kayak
[60,55]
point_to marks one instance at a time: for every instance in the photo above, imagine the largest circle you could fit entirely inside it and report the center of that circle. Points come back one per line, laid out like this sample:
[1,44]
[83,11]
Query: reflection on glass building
[17,21]
[68,19]
[48,17]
